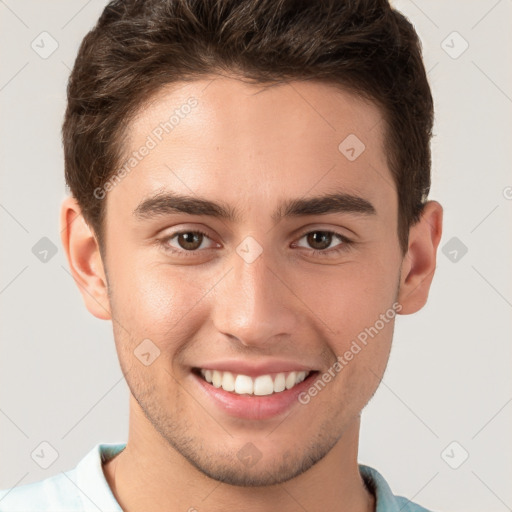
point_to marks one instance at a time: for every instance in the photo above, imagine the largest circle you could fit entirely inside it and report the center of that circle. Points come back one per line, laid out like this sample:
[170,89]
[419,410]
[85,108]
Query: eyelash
[344,246]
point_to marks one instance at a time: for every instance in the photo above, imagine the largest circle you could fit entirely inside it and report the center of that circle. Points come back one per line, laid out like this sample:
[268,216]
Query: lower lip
[254,407]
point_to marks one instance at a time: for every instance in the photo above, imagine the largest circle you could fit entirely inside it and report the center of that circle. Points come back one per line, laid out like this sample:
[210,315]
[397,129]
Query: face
[262,279]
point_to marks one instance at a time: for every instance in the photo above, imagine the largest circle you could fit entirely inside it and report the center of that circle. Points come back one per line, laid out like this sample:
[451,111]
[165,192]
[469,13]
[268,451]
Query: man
[249,208]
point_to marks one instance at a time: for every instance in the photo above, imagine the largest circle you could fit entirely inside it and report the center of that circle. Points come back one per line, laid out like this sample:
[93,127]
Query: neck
[150,474]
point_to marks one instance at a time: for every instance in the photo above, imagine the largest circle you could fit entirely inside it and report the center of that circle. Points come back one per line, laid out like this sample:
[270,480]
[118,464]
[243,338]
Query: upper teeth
[261,385]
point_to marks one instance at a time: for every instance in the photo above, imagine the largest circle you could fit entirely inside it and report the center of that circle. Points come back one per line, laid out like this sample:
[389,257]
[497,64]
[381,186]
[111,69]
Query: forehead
[227,139]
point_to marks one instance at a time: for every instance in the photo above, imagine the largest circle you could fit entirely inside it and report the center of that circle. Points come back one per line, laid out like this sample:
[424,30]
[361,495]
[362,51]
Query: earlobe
[419,263]
[84,259]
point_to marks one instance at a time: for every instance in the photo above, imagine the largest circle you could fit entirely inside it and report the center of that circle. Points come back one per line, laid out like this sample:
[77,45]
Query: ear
[84,259]
[419,263]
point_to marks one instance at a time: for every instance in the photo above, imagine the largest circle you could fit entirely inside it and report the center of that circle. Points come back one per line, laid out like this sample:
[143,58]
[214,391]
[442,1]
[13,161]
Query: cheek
[351,297]
[153,300]
[364,323]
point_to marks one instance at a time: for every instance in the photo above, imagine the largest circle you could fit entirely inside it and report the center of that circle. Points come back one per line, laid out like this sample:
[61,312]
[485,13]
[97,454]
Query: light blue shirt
[85,489]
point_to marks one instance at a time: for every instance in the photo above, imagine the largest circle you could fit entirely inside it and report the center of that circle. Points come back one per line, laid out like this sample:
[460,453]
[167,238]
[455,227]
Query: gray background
[449,375]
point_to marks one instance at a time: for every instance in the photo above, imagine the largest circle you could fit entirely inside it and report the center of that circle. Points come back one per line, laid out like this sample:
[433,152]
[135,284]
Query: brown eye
[319,240]
[324,243]
[190,241]
[186,243]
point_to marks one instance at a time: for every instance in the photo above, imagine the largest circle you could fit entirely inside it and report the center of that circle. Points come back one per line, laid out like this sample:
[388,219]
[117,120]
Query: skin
[250,148]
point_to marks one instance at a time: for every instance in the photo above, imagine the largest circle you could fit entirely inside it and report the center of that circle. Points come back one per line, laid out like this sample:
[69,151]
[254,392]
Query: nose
[254,304]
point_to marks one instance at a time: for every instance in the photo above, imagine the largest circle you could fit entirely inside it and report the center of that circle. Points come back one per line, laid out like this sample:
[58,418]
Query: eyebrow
[167,203]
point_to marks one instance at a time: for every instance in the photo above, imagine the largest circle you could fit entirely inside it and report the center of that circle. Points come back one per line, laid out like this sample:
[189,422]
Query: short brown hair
[139,46]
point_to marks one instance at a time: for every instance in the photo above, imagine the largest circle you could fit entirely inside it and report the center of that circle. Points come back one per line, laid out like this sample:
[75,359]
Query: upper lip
[255,369]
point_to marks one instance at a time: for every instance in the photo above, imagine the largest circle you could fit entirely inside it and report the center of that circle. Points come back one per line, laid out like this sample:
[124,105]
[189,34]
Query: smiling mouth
[262,385]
